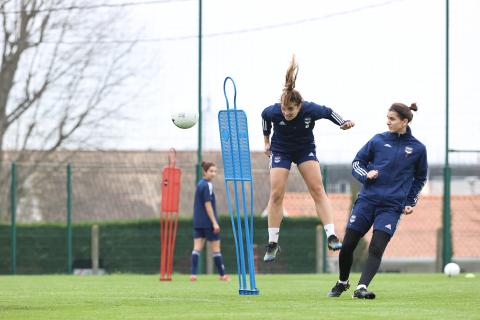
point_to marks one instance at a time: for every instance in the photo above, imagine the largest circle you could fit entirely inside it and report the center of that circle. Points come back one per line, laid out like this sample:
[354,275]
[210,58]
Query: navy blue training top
[203,193]
[297,134]
[401,161]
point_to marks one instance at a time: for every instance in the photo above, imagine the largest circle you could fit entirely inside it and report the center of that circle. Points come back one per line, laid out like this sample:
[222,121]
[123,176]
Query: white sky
[357,62]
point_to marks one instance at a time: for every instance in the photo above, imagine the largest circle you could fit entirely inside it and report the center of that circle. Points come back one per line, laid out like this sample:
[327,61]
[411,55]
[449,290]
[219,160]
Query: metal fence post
[13,213]
[69,219]
[320,251]
[208,258]
[324,236]
[94,249]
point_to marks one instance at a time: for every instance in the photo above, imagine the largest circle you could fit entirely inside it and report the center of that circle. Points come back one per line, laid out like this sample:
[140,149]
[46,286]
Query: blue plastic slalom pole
[239,222]
[238,215]
[236,158]
[248,231]
[252,258]
[233,230]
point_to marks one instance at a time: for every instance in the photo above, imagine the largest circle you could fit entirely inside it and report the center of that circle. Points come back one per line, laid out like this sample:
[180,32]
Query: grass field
[399,296]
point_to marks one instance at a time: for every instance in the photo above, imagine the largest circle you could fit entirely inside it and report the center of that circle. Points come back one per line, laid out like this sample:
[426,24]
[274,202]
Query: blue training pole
[236,157]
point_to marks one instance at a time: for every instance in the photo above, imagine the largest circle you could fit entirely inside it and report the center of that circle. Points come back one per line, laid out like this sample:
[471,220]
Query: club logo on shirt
[282,123]
[387,145]
[277,159]
[307,121]
[408,150]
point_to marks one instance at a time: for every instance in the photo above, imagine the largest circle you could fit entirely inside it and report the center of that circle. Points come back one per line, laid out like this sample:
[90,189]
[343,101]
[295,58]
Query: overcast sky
[357,57]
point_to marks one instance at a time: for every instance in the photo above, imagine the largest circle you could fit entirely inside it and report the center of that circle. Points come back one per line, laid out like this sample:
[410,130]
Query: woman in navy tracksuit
[293,121]
[392,168]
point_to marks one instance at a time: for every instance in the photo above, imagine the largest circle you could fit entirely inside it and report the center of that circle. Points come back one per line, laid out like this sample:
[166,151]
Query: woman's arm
[420,176]
[322,112]
[211,215]
[267,128]
[361,161]
[266,141]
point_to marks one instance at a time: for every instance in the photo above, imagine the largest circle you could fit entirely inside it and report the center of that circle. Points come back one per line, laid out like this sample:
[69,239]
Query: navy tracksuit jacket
[401,161]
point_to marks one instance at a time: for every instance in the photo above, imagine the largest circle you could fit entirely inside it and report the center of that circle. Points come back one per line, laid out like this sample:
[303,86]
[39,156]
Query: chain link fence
[125,188]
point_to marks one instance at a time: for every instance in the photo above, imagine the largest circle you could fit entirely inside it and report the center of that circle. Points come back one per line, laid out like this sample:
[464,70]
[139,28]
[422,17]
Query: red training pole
[169,216]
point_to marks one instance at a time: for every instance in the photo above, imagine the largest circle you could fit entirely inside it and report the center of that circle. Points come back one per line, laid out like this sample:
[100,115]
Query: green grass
[399,296]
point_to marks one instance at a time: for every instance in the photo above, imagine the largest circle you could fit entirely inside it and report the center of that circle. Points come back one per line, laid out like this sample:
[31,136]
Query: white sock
[343,282]
[360,286]
[273,234]
[329,229]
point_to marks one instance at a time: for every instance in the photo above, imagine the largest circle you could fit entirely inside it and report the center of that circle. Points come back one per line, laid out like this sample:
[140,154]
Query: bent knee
[348,245]
[376,251]
[276,197]
[318,193]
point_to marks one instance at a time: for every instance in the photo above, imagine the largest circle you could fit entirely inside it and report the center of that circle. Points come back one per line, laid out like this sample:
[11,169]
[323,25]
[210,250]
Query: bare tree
[61,76]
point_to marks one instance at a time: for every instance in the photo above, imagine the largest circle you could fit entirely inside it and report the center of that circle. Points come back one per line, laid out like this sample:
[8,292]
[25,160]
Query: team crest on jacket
[307,122]
[408,150]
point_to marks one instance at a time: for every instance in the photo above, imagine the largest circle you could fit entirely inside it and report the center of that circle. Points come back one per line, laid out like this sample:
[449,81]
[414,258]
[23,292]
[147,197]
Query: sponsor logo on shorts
[388,226]
[277,159]
[311,154]
[352,218]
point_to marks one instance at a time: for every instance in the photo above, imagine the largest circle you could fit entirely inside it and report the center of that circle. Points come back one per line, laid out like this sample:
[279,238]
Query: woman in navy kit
[392,168]
[205,221]
[293,121]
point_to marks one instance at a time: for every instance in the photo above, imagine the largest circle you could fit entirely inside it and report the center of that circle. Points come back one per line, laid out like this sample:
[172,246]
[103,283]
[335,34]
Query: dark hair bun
[413,107]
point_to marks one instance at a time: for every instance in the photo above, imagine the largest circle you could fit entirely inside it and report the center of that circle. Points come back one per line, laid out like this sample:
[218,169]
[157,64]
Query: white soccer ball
[184,120]
[452,269]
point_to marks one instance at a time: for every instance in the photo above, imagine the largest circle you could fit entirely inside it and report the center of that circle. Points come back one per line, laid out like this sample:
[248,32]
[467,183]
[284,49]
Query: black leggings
[377,246]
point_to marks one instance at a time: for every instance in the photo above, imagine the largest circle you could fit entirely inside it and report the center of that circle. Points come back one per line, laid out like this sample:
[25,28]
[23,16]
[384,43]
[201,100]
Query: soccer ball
[184,120]
[451,269]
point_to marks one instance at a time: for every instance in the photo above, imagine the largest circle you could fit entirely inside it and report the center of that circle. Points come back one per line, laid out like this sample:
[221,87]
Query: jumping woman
[293,120]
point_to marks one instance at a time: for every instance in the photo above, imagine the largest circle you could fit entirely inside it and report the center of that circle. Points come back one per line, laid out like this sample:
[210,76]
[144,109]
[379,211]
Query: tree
[61,76]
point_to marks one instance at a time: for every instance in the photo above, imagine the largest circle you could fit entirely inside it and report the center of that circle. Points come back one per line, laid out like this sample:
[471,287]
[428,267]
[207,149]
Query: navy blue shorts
[364,215]
[205,233]
[284,160]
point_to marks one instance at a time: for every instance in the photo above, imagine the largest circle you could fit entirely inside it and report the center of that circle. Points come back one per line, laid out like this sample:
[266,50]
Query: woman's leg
[278,182]
[345,260]
[217,258]
[310,171]
[376,249]
[198,244]
[377,246]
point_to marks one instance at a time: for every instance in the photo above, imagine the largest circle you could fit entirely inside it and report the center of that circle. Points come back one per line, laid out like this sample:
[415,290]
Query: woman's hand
[372,174]
[267,151]
[216,228]
[347,125]
[408,210]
